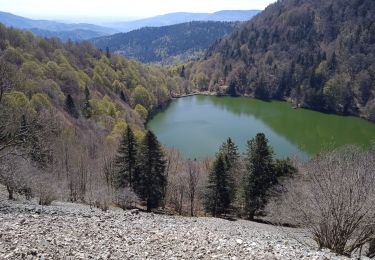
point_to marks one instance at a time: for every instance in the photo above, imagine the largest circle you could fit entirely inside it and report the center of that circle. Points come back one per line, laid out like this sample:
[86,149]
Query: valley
[196,133]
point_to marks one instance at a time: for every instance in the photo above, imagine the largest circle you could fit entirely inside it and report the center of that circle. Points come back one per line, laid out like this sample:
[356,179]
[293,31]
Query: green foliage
[18,101]
[125,161]
[40,101]
[45,71]
[150,179]
[218,195]
[104,107]
[70,107]
[260,175]
[87,110]
[32,69]
[310,52]
[229,150]
[285,168]
[141,96]
[141,111]
[231,157]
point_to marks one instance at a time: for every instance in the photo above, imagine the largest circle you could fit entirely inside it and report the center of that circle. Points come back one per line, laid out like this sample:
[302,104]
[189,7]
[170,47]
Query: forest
[64,107]
[72,122]
[167,44]
[316,54]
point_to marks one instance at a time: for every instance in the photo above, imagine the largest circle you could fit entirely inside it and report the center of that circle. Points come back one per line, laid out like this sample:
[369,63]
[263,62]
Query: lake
[198,125]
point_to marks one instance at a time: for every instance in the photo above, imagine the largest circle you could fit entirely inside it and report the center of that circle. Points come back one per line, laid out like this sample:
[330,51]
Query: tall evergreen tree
[217,198]
[260,175]
[182,73]
[70,106]
[230,150]
[231,157]
[124,97]
[151,180]
[125,161]
[107,52]
[87,110]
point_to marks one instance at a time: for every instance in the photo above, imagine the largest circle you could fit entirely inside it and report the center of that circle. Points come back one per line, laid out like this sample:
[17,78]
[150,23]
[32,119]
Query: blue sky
[122,8]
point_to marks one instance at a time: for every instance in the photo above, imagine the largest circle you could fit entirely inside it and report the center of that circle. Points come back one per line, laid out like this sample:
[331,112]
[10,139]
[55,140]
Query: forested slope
[318,53]
[63,110]
[104,91]
[167,44]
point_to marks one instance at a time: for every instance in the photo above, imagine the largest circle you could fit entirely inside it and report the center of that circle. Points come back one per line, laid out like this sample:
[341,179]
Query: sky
[122,8]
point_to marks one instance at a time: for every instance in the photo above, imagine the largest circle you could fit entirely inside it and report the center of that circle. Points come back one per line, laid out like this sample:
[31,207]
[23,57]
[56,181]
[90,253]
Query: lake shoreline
[287,100]
[198,123]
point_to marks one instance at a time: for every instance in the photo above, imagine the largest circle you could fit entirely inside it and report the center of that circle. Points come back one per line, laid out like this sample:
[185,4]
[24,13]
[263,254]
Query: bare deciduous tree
[8,78]
[193,181]
[334,198]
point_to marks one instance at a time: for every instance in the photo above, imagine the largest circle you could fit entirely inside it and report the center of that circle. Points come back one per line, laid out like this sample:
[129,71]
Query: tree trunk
[10,193]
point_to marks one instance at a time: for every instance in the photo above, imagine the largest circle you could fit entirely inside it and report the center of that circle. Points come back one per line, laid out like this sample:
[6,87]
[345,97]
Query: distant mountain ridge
[65,31]
[182,17]
[167,44]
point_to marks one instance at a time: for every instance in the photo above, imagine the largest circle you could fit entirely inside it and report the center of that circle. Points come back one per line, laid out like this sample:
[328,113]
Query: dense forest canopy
[318,53]
[46,73]
[174,43]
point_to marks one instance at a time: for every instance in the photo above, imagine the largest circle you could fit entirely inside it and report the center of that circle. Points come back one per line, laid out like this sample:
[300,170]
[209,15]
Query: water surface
[198,125]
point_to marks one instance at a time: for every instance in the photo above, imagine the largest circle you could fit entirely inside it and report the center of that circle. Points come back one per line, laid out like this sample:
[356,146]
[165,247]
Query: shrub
[334,198]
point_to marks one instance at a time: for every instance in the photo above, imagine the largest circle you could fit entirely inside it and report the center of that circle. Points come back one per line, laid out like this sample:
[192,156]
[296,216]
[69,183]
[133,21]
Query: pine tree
[260,175]
[107,52]
[182,73]
[230,150]
[124,97]
[70,107]
[125,161]
[87,110]
[150,180]
[231,157]
[217,197]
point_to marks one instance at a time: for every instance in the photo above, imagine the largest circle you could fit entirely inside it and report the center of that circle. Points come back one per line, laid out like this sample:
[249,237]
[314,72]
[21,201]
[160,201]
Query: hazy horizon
[88,10]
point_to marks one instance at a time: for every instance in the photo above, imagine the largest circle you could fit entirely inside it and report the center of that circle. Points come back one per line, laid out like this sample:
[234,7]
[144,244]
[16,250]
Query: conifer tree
[217,197]
[150,180]
[125,161]
[107,52]
[124,97]
[230,151]
[87,110]
[70,107]
[260,175]
[231,157]
[182,73]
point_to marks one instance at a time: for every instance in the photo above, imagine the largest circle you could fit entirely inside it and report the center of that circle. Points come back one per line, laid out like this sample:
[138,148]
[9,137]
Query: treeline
[318,54]
[240,186]
[323,195]
[167,44]
[49,71]
[63,108]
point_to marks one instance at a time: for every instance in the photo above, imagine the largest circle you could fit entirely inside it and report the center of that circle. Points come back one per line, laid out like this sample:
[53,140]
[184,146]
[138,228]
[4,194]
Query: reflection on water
[197,125]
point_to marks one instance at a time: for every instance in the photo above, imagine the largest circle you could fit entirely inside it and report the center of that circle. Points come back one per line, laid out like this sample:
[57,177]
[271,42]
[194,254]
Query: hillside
[64,31]
[182,17]
[39,75]
[67,230]
[319,54]
[166,44]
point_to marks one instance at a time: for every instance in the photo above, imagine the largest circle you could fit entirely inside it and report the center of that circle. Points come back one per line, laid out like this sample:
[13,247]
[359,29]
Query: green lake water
[198,125]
